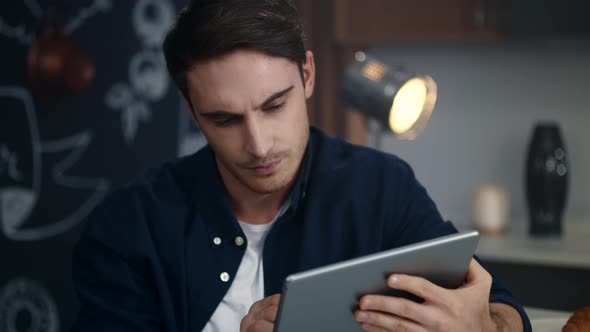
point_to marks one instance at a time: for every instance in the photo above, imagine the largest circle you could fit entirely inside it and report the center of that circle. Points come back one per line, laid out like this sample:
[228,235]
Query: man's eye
[226,121]
[276,107]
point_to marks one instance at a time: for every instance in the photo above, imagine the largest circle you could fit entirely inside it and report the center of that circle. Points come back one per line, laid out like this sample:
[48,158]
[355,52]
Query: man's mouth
[266,169]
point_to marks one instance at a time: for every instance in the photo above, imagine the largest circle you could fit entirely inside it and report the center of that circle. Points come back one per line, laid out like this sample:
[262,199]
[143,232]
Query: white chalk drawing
[147,72]
[9,163]
[97,7]
[134,113]
[19,32]
[17,201]
[34,8]
[119,96]
[23,297]
[16,32]
[148,75]
[77,145]
[151,20]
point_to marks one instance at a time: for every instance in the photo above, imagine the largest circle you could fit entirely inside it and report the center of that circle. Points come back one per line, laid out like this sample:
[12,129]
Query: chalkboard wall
[63,146]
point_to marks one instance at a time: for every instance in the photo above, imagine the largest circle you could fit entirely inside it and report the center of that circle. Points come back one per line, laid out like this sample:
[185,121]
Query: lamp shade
[401,101]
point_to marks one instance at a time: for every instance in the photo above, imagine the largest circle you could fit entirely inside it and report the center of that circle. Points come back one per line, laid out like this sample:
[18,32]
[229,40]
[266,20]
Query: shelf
[571,250]
[386,21]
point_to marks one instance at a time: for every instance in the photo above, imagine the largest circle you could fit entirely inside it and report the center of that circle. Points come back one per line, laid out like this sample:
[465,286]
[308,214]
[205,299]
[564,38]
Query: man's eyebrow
[220,113]
[276,96]
[215,114]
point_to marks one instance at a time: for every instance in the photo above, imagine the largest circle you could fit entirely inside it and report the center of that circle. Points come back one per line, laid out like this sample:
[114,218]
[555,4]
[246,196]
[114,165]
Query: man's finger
[265,302]
[269,313]
[473,269]
[418,286]
[261,326]
[396,306]
[274,299]
[372,328]
[476,272]
[379,321]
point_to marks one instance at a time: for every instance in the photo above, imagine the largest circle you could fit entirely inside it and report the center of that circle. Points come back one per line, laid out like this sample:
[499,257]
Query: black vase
[547,173]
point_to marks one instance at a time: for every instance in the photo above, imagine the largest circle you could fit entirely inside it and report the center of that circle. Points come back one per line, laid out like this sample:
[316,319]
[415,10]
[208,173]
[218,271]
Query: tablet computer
[323,299]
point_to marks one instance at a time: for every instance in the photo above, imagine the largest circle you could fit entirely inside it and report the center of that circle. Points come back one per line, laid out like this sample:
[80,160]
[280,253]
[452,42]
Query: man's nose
[257,138]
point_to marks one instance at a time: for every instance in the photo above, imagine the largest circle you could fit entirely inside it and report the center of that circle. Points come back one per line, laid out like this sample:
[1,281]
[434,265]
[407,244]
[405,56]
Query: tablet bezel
[443,260]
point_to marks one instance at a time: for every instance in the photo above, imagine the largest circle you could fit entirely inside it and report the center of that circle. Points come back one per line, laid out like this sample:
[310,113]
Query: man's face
[251,108]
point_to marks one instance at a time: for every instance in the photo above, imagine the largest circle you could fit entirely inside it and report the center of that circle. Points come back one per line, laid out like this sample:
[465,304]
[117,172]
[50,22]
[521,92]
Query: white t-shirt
[248,284]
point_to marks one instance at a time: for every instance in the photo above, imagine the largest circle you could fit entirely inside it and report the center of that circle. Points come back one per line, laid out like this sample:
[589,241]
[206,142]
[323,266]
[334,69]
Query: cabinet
[549,19]
[385,21]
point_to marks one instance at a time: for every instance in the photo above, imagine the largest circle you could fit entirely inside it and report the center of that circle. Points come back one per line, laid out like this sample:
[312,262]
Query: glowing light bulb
[412,106]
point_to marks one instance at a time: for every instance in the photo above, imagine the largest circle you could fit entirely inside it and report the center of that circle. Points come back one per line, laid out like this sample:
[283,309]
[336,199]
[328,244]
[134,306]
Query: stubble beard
[284,176]
[272,183]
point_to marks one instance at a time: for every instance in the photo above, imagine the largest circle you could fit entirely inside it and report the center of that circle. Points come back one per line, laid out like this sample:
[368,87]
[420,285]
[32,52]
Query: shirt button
[216,241]
[224,277]
[239,241]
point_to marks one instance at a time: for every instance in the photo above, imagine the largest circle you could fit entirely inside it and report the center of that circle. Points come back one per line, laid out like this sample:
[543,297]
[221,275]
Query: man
[205,242]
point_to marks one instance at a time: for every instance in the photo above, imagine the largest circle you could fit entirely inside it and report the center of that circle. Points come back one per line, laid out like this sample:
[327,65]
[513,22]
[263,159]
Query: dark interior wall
[60,156]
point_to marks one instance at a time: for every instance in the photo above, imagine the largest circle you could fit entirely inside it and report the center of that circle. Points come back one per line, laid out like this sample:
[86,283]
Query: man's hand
[261,316]
[466,308]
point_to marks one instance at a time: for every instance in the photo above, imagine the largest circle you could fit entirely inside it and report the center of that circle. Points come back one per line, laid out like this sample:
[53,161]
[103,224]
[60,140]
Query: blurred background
[86,105]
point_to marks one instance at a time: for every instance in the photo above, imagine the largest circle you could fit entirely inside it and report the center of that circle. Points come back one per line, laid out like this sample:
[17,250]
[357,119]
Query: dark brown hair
[208,28]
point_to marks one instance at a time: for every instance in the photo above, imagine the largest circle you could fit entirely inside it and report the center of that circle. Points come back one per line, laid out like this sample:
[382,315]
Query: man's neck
[258,208]
[250,206]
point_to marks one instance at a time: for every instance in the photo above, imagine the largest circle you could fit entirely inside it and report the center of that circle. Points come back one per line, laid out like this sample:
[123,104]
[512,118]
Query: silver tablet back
[324,298]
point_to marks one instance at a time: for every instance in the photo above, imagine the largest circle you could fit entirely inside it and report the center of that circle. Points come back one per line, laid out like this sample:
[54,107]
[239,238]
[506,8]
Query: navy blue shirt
[147,259]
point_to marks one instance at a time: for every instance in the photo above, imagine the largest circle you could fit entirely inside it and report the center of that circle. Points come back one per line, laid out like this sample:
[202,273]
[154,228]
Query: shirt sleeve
[416,218]
[113,295]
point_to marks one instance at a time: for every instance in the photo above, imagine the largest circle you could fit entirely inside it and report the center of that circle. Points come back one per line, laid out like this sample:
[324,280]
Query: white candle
[491,209]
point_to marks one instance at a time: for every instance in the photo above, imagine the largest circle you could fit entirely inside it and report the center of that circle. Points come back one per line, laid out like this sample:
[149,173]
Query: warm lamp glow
[412,106]
[400,100]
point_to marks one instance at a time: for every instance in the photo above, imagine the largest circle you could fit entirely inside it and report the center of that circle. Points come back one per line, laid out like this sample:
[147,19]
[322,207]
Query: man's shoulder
[165,183]
[334,153]
[157,193]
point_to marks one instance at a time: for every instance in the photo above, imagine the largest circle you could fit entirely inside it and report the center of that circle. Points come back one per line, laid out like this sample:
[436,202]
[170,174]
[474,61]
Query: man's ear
[308,69]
